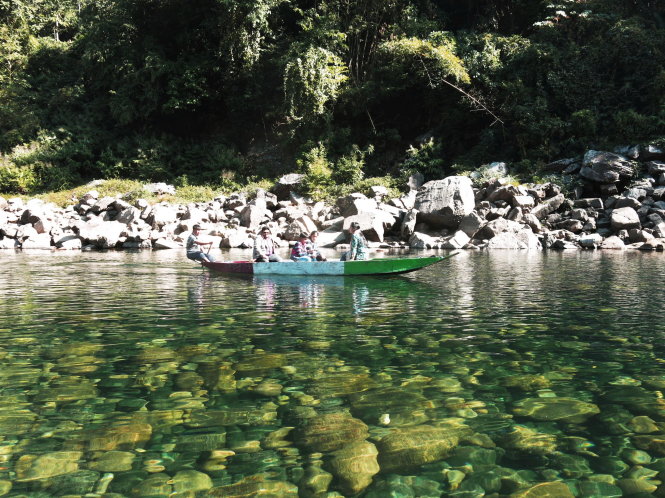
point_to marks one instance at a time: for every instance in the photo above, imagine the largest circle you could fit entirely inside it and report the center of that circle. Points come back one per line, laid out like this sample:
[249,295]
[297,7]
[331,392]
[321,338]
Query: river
[141,374]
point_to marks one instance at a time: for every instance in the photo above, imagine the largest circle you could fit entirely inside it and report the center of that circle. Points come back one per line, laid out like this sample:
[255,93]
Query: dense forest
[221,92]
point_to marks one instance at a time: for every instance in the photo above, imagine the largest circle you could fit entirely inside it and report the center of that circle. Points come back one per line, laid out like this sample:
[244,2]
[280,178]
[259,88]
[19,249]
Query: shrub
[426,159]
[17,179]
[349,168]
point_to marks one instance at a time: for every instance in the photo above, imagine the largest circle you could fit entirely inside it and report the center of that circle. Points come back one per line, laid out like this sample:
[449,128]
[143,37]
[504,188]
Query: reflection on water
[489,374]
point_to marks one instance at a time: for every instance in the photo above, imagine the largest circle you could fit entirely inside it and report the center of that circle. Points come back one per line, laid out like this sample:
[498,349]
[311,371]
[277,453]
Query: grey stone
[561,164]
[69,241]
[548,206]
[161,215]
[523,201]
[497,226]
[457,241]
[650,152]
[421,240]
[38,241]
[443,203]
[524,239]
[287,184]
[594,202]
[252,216]
[160,188]
[613,242]
[624,218]
[409,224]
[471,223]
[590,241]
[415,181]
[605,167]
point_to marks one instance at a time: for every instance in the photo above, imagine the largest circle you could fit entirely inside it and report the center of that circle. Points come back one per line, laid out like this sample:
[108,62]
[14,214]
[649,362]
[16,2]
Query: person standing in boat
[193,246]
[301,251]
[314,252]
[358,244]
[264,248]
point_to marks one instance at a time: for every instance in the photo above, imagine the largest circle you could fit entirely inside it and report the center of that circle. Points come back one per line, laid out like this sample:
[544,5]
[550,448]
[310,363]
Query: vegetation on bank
[227,93]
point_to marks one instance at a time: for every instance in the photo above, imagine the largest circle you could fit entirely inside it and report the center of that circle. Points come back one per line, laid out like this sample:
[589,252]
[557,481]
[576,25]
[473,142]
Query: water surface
[142,375]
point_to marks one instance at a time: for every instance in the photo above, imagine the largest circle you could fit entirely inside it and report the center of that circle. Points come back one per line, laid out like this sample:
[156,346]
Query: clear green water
[141,375]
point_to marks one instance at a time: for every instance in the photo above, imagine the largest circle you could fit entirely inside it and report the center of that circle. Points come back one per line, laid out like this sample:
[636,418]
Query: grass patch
[130,191]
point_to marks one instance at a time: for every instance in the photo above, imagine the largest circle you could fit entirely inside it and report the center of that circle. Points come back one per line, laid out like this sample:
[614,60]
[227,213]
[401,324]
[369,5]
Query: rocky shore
[617,201]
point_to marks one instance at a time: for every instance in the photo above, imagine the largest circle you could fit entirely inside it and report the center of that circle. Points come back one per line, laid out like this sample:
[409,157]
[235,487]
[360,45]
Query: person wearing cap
[264,248]
[193,246]
[302,248]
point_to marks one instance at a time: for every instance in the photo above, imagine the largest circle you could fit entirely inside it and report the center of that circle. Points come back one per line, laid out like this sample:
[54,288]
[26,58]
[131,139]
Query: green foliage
[584,123]
[17,179]
[432,60]
[312,80]
[185,92]
[425,159]
[318,171]
[567,183]
[635,124]
[349,168]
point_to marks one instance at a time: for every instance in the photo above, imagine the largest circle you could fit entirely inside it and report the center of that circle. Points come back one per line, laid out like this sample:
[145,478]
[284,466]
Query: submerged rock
[35,467]
[123,437]
[413,446]
[526,440]
[329,432]
[112,461]
[561,409]
[354,466]
[545,489]
[255,486]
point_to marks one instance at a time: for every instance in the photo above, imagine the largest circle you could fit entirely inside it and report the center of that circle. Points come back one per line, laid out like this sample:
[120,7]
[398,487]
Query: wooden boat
[382,266]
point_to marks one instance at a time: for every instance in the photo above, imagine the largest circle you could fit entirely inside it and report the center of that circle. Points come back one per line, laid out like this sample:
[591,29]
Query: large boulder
[287,184]
[524,239]
[38,241]
[419,240]
[624,218]
[102,234]
[161,215]
[330,237]
[498,226]
[372,224]
[355,203]
[456,241]
[443,203]
[252,216]
[605,167]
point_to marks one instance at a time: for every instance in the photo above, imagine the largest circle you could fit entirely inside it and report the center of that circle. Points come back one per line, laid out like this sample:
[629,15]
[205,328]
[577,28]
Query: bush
[426,159]
[349,168]
[17,179]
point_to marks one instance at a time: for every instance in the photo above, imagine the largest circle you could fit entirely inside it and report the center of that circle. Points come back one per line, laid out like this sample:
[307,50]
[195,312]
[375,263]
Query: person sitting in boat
[264,248]
[193,246]
[358,244]
[314,252]
[301,251]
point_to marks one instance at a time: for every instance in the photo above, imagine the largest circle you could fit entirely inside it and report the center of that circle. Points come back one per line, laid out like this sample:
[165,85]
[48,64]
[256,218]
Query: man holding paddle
[194,250]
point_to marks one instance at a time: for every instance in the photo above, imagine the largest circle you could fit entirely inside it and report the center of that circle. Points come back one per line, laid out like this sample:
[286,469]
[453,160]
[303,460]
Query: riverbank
[616,201]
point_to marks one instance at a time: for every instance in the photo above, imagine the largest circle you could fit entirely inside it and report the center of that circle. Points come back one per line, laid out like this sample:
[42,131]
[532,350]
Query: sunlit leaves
[312,80]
